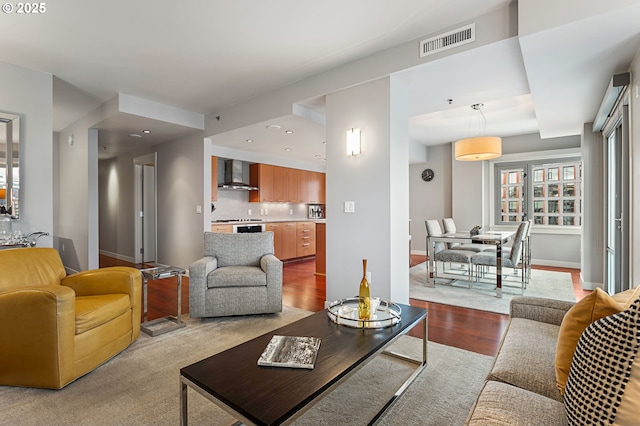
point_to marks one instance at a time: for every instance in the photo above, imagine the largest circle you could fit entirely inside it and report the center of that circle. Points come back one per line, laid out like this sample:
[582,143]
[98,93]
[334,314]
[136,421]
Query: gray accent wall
[429,200]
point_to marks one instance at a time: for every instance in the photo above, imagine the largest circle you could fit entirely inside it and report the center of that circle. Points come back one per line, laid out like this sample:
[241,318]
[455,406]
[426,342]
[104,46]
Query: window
[552,196]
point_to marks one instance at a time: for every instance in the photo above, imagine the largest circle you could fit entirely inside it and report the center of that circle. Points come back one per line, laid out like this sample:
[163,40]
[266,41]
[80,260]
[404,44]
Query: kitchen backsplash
[236,205]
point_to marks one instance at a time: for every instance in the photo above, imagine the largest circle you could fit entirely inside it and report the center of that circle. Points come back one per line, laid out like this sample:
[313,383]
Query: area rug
[482,296]
[140,386]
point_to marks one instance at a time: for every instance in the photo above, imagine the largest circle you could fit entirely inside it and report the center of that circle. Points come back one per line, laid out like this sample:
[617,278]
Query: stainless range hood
[233,177]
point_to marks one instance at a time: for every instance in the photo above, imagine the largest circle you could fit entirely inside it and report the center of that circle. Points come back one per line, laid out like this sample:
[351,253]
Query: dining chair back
[434,230]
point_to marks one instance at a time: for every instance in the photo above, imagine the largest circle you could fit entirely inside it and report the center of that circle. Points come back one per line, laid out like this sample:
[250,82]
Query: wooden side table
[171,323]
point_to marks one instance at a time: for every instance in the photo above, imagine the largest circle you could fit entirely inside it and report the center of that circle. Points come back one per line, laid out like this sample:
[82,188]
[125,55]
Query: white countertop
[257,222]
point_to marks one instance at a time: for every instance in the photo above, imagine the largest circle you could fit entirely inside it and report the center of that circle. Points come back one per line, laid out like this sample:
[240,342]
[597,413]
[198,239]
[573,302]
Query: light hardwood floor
[470,329]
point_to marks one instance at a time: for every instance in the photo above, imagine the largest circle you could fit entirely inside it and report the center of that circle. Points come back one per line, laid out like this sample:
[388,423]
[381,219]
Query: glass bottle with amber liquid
[364,302]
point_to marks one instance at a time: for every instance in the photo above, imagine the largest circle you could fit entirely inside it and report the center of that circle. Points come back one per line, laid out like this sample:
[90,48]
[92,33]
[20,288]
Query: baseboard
[547,262]
[587,285]
[117,256]
[419,252]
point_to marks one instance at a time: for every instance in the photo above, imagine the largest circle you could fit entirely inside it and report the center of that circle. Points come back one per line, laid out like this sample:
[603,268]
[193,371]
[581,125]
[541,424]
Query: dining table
[496,238]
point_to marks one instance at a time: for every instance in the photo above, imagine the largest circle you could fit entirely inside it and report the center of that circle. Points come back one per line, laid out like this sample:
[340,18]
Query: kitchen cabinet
[321,249]
[292,185]
[322,191]
[261,175]
[306,239]
[316,185]
[303,185]
[284,239]
[286,185]
[214,178]
[222,229]
[276,228]
[289,242]
[280,185]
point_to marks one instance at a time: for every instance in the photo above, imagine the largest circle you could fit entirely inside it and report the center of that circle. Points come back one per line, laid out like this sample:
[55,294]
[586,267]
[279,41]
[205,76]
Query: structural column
[374,185]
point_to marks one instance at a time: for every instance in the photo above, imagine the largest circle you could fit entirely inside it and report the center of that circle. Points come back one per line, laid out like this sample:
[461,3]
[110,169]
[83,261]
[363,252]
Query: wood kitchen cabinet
[316,187]
[222,229]
[289,240]
[306,239]
[303,185]
[280,185]
[321,249]
[261,175]
[276,228]
[214,178]
[286,185]
[292,185]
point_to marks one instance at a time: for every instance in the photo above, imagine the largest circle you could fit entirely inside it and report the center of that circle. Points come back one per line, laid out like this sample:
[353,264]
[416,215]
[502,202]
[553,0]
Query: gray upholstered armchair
[238,275]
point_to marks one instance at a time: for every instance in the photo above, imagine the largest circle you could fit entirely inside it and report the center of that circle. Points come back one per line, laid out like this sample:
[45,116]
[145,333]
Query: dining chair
[442,254]
[510,258]
[525,255]
[450,228]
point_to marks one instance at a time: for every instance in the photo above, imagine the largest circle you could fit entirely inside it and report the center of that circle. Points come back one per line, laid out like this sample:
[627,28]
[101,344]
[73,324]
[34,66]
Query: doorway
[145,250]
[617,208]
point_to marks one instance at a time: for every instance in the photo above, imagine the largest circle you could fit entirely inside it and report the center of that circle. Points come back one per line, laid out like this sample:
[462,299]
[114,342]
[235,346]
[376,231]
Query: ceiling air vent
[448,40]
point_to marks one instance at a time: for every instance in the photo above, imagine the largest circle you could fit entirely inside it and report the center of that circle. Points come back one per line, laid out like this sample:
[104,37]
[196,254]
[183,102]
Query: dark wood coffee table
[273,395]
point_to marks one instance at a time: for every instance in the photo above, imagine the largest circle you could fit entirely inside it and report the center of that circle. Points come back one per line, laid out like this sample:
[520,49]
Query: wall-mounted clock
[428,175]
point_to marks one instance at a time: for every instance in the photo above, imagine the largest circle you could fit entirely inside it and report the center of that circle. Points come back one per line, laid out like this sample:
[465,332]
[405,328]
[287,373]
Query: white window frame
[530,157]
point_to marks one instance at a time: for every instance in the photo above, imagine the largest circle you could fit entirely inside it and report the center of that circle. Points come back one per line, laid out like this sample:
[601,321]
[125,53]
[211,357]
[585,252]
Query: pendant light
[480,147]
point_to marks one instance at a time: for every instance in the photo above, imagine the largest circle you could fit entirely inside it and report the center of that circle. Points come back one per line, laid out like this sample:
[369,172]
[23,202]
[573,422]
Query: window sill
[543,229]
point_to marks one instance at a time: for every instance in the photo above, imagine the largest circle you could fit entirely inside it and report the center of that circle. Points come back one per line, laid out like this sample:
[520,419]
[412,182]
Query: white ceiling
[205,55]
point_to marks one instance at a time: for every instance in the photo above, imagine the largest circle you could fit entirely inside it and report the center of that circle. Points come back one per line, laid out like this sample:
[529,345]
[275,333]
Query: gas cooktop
[237,220]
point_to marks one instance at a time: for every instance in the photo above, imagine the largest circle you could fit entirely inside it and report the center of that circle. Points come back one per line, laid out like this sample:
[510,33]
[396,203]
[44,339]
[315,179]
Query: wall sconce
[353,142]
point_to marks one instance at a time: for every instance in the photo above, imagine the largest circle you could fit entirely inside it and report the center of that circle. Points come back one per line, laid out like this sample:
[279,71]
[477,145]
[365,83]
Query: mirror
[10,165]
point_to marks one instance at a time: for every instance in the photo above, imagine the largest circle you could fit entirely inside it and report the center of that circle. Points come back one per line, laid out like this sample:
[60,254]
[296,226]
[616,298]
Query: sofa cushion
[591,308]
[237,276]
[604,366]
[627,297]
[526,357]
[93,311]
[503,404]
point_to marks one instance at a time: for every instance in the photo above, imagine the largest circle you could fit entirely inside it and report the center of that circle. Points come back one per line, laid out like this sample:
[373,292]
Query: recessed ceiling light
[146,131]
[273,127]
[287,149]
[135,135]
[288,132]
[249,140]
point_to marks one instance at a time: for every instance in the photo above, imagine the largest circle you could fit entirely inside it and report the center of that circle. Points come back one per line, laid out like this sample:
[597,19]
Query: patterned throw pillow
[601,370]
[596,305]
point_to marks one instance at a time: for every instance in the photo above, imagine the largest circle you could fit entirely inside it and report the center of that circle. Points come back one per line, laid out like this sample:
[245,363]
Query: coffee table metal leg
[179,318]
[498,269]
[144,300]
[184,414]
[421,366]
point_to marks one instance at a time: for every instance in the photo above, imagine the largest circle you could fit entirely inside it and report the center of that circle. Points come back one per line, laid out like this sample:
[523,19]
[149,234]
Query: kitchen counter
[257,222]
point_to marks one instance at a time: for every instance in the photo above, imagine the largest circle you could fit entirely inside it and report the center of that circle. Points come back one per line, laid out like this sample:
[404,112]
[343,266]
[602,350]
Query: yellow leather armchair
[55,328]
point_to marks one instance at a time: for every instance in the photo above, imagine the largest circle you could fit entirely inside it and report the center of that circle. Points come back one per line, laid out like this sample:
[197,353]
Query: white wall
[77,241]
[29,94]
[593,232]
[376,181]
[181,175]
[116,183]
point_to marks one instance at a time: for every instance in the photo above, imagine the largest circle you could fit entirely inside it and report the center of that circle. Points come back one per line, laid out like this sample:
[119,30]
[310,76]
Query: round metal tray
[345,312]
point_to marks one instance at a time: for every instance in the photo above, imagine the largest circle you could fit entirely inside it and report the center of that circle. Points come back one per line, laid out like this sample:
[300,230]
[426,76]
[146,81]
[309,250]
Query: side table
[158,273]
